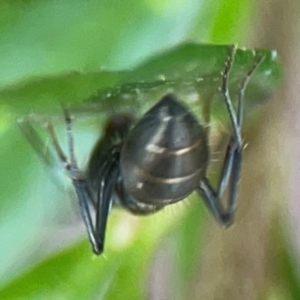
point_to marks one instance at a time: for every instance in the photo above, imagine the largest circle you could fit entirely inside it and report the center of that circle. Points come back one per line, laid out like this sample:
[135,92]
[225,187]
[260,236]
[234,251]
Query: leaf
[186,69]
[44,46]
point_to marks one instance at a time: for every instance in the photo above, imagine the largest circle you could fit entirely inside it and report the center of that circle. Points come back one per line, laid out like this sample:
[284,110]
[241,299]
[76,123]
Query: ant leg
[104,201]
[231,170]
[107,180]
[80,186]
[42,149]
[34,139]
[238,153]
[80,183]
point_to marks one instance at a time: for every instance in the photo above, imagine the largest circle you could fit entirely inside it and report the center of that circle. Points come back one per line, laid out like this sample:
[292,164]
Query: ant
[158,160]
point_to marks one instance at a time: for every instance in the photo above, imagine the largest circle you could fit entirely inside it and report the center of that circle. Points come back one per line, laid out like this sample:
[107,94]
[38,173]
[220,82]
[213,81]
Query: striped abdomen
[165,154]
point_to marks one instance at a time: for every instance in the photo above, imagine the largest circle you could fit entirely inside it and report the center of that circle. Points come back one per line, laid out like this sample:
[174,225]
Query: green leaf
[51,53]
[186,69]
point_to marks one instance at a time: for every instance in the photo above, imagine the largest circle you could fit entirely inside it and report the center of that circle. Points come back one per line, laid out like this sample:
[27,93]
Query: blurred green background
[56,47]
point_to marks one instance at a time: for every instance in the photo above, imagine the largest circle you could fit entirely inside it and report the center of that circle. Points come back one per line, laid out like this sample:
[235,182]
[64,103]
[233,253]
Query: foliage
[70,52]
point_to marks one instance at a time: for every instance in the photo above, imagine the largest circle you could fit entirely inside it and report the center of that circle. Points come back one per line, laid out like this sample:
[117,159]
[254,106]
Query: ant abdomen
[165,154]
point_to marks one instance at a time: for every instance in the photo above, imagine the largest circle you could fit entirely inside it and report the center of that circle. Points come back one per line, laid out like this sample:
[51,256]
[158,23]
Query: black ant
[158,160]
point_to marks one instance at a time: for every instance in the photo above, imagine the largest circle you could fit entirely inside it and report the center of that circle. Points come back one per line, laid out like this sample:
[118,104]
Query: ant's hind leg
[231,171]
